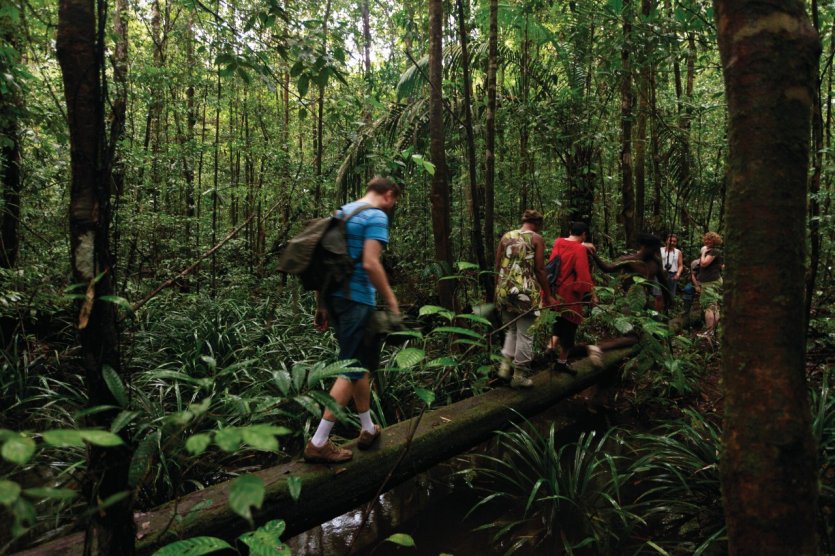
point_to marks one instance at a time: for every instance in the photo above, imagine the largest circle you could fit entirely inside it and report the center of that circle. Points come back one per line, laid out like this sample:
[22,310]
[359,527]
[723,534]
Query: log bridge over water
[330,490]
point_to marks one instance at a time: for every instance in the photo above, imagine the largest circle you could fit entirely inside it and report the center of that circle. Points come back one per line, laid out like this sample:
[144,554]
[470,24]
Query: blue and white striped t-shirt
[368,224]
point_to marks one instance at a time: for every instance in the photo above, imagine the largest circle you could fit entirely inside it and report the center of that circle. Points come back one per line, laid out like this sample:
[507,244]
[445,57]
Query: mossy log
[329,490]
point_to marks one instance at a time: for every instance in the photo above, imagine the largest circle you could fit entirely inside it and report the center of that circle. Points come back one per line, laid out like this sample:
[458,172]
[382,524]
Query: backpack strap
[350,215]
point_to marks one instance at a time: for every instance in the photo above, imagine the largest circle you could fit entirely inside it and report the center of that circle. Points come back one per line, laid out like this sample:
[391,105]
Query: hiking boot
[328,453]
[596,356]
[505,368]
[367,439]
[519,380]
[564,367]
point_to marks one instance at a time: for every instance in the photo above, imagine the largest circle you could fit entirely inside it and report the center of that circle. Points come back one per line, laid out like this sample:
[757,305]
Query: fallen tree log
[330,490]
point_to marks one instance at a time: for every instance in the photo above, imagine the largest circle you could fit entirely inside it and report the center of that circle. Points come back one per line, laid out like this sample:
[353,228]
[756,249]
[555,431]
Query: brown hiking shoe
[367,439]
[329,453]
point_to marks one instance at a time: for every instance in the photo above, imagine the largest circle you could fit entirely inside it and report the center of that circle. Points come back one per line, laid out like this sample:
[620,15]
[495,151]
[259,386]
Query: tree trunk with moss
[769,57]
[81,55]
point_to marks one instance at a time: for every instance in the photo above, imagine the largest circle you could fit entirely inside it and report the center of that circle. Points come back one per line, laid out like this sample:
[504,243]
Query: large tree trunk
[490,140]
[81,56]
[440,185]
[769,56]
[9,159]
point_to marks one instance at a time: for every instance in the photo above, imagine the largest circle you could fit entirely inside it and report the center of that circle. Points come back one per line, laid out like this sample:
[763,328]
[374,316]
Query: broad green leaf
[53,493]
[458,330]
[142,459]
[9,492]
[310,405]
[259,439]
[18,449]
[475,318]
[244,493]
[228,439]
[196,444]
[466,265]
[114,384]
[101,438]
[623,325]
[402,539]
[410,333]
[122,420]
[63,438]
[193,547]
[121,301]
[443,362]
[282,380]
[294,485]
[435,310]
[427,396]
[409,357]
[266,540]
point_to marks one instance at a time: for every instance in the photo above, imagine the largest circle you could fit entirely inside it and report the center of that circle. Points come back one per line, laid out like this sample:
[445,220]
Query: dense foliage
[247,118]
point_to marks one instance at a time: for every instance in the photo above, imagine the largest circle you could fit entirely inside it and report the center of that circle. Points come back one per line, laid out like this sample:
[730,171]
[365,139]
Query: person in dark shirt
[645,263]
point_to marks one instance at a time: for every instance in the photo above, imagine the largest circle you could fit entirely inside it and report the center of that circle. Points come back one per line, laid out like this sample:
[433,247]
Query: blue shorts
[350,320]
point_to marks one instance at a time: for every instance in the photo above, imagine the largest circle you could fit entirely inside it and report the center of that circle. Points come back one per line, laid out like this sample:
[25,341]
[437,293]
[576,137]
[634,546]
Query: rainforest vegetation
[157,155]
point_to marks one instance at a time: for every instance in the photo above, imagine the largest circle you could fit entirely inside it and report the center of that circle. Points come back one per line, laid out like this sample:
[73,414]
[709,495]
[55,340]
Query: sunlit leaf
[229,439]
[193,547]
[427,396]
[402,539]
[409,357]
[266,540]
[196,444]
[18,449]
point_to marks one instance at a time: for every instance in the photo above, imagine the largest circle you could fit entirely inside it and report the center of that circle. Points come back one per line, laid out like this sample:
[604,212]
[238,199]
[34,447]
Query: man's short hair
[532,216]
[381,186]
[645,239]
[579,228]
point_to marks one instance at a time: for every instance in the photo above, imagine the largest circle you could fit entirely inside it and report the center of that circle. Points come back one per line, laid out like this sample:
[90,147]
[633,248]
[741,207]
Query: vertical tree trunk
[474,198]
[440,187]
[10,106]
[769,56]
[627,100]
[81,56]
[490,140]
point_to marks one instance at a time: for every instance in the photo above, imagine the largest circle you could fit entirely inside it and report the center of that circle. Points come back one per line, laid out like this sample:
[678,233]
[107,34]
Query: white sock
[366,422]
[562,361]
[323,431]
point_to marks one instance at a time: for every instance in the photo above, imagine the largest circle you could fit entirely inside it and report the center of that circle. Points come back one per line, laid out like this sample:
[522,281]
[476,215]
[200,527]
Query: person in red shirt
[574,286]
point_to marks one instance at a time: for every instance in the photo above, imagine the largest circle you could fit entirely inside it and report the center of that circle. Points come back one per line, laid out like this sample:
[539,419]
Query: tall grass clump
[557,497]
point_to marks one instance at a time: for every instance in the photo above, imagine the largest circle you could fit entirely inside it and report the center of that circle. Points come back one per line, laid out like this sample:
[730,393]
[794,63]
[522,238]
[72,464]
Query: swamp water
[431,507]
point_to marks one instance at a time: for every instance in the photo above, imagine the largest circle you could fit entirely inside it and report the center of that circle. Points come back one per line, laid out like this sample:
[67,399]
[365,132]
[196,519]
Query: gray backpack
[318,254]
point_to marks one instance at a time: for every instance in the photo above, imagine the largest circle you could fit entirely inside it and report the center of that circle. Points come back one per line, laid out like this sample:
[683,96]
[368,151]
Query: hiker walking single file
[347,307]
[520,283]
